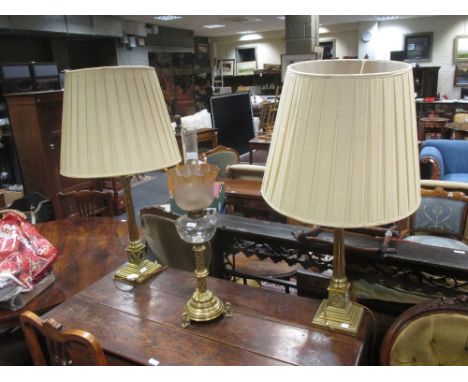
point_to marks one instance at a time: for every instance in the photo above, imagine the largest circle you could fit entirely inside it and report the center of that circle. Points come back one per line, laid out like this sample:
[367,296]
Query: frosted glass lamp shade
[344,147]
[115,122]
[192,185]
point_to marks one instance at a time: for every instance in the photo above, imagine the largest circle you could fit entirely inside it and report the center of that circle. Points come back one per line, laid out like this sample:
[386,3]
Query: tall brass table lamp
[115,124]
[344,154]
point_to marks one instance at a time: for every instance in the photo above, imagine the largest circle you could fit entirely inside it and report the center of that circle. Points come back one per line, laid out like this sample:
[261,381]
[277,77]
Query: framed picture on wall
[227,66]
[288,59]
[460,49]
[461,75]
[246,68]
[418,47]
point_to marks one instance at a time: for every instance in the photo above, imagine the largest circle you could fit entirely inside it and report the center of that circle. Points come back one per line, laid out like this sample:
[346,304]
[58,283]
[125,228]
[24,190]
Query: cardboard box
[8,197]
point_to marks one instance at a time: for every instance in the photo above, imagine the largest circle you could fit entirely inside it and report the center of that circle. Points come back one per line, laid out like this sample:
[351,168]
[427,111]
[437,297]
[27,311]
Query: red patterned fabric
[24,253]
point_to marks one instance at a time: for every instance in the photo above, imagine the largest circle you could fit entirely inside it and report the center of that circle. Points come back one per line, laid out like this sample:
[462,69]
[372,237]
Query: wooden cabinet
[432,128]
[425,80]
[36,120]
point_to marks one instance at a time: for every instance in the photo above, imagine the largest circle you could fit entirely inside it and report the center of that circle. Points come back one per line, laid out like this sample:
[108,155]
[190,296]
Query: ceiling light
[386,18]
[214,26]
[281,17]
[249,37]
[245,32]
[167,18]
[252,18]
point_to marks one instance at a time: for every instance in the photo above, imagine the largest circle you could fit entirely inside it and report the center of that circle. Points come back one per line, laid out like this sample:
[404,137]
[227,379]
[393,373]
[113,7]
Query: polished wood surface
[258,143]
[247,188]
[267,327]
[88,249]
[242,193]
[70,347]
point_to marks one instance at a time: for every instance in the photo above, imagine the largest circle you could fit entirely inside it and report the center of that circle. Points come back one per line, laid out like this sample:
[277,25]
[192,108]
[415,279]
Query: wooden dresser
[36,120]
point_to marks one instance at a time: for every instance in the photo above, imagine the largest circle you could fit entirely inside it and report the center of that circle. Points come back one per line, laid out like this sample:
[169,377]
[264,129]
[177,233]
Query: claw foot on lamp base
[204,308]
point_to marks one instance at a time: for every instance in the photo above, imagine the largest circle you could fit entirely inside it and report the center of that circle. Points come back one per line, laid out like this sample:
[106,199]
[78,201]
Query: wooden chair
[434,333]
[221,157]
[87,203]
[50,345]
[440,220]
[268,117]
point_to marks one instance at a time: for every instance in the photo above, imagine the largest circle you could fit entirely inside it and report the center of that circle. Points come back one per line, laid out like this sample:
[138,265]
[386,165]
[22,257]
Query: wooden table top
[267,327]
[88,249]
[460,126]
[260,141]
[242,187]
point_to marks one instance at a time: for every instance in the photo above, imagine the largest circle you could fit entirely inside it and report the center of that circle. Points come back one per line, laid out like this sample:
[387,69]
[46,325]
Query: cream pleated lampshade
[344,146]
[115,122]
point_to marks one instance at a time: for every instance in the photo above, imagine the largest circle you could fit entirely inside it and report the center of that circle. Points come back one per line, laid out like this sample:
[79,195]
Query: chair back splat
[87,203]
[50,345]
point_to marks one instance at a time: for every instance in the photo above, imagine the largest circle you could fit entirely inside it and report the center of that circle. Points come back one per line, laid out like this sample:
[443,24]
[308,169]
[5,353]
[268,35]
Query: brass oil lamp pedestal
[191,185]
[203,305]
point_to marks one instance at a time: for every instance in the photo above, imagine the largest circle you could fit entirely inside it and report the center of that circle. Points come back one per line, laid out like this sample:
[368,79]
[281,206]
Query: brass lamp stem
[132,226]
[138,268]
[339,260]
[201,272]
[338,312]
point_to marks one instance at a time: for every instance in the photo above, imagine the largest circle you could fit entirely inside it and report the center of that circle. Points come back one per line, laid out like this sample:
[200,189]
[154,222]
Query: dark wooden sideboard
[36,120]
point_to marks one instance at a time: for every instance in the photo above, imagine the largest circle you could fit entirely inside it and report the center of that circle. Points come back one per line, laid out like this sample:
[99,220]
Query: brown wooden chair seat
[50,345]
[87,203]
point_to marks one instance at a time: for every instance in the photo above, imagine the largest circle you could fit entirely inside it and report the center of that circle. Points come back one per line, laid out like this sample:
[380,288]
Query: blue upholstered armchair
[440,220]
[447,158]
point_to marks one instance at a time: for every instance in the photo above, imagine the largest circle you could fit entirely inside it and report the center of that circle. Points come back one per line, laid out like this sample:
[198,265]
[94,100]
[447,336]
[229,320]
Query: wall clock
[366,36]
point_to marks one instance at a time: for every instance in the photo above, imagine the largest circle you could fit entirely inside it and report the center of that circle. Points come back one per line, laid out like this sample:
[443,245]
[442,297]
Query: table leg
[250,156]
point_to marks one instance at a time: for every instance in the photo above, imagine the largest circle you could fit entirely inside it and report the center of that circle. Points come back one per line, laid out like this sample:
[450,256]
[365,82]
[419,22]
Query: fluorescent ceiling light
[281,17]
[249,37]
[254,19]
[214,26]
[324,30]
[385,18]
[167,18]
[245,32]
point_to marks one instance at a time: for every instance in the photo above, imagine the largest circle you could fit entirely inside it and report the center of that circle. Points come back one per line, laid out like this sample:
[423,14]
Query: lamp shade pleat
[344,147]
[115,122]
